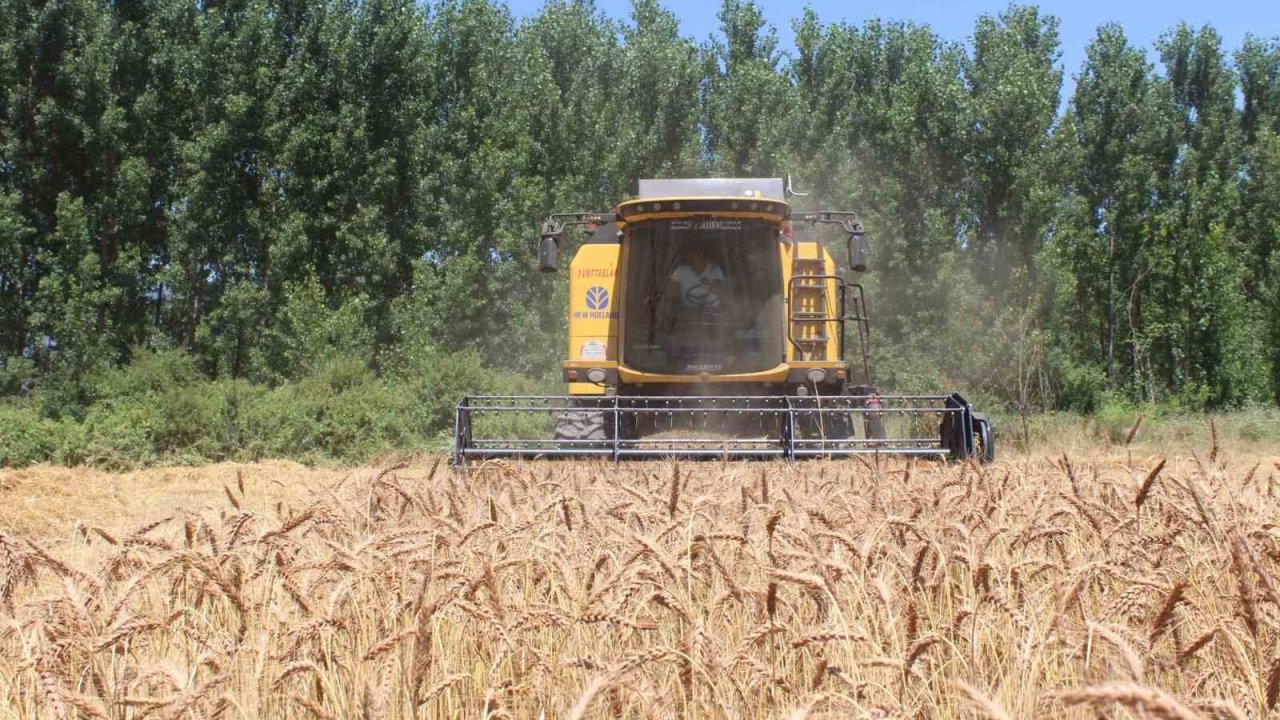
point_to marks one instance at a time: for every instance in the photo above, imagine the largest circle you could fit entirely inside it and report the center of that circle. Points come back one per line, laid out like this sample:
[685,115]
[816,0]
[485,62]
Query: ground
[49,501]
[1139,580]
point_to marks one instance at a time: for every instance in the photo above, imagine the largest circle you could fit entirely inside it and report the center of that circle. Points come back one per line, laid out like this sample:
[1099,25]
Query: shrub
[25,436]
[121,434]
[159,408]
[17,376]
[149,374]
[343,411]
[1080,387]
[436,380]
[1258,424]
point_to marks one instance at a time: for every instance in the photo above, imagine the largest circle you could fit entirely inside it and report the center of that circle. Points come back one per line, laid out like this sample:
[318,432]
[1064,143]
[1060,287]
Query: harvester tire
[984,439]
[874,426]
[836,426]
[575,426]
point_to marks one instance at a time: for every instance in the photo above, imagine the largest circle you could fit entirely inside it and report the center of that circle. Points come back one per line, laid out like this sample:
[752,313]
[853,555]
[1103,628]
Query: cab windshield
[704,295]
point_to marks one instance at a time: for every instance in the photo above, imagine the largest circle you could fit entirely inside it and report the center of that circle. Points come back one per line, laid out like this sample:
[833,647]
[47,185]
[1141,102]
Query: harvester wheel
[575,426]
[875,427]
[832,428]
[836,427]
[982,447]
[984,439]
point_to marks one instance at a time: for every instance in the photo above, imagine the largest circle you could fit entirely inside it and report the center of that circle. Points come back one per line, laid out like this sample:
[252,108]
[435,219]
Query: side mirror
[549,254]
[857,252]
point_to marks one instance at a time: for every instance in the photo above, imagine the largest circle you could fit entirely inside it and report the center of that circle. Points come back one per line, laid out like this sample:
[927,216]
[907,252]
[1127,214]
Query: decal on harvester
[597,298]
[593,350]
[597,302]
[705,224]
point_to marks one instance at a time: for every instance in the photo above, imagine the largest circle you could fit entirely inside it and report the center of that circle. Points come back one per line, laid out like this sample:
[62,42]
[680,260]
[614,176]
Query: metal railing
[727,426]
[843,314]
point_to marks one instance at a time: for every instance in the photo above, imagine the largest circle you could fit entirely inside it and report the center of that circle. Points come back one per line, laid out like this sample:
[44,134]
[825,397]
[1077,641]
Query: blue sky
[1144,21]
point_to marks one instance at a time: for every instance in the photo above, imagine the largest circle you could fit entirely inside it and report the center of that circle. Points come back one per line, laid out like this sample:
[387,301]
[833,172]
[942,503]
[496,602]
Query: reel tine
[755,427]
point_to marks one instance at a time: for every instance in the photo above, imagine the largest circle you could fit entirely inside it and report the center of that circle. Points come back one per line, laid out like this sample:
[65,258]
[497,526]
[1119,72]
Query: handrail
[839,318]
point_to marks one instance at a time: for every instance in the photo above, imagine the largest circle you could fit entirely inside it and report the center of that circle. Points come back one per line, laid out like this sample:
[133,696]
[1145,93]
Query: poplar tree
[1258,67]
[1104,239]
[279,189]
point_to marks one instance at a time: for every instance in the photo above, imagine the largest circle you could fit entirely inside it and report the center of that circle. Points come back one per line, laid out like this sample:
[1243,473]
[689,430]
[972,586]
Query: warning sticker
[592,350]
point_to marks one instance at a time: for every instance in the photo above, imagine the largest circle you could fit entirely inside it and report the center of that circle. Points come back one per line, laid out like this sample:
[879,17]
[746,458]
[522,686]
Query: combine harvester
[706,320]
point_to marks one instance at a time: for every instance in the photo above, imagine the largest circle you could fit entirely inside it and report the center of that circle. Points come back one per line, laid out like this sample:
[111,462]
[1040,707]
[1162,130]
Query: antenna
[791,191]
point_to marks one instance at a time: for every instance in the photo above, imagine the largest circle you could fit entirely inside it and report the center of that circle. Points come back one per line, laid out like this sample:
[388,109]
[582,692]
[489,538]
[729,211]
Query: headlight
[596,375]
[816,375]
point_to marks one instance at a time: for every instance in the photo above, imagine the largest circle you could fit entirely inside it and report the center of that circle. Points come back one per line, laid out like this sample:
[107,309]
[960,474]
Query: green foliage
[25,436]
[161,408]
[1079,386]
[253,223]
[310,335]
[342,411]
[68,307]
[1013,84]
[1115,415]
[17,376]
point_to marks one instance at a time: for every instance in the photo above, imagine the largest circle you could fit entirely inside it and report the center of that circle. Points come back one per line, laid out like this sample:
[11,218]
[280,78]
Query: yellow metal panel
[595,311]
[594,302]
[833,305]
[595,290]
[777,374]
[638,217]
[823,300]
[824,364]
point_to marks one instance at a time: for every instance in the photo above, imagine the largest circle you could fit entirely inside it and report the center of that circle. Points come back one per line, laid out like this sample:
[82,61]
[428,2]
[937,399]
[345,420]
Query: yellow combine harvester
[707,320]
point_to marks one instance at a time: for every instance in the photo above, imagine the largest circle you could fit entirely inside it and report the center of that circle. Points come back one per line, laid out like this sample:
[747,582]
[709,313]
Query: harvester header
[706,319]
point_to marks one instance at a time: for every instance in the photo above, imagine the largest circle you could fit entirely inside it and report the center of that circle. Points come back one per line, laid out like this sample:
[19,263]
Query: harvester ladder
[811,308]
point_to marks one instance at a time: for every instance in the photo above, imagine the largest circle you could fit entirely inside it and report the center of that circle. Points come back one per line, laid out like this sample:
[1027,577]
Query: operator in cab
[700,282]
[698,333]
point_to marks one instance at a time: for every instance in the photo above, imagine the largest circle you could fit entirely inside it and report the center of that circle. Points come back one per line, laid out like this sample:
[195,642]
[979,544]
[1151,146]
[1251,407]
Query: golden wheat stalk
[1137,697]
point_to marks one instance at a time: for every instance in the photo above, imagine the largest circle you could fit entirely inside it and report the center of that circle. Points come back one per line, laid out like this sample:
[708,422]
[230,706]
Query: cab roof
[761,198]
[758,188]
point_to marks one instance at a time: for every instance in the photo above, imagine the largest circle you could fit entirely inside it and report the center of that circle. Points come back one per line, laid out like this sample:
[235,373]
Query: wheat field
[1107,584]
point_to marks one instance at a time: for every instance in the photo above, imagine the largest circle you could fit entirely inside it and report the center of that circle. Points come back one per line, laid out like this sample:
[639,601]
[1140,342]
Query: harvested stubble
[1031,588]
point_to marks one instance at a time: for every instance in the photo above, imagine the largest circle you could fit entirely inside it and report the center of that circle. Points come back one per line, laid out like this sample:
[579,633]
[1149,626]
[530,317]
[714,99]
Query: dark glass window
[703,295]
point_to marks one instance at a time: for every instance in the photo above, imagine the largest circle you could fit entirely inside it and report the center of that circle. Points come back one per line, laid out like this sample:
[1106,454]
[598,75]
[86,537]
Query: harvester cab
[707,320]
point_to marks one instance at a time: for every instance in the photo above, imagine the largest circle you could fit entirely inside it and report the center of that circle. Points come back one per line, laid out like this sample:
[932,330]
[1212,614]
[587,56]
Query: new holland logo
[598,298]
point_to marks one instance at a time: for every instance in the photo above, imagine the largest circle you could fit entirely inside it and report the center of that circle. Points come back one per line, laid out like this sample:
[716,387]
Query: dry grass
[47,500]
[1070,586]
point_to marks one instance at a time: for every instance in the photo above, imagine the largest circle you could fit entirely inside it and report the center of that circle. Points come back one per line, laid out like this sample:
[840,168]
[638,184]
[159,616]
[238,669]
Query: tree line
[266,185]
